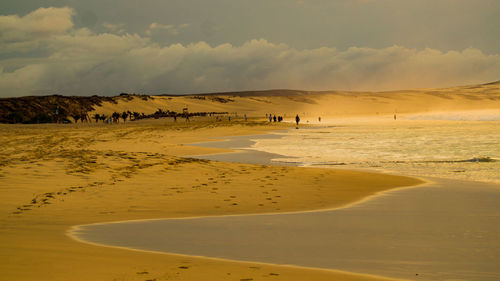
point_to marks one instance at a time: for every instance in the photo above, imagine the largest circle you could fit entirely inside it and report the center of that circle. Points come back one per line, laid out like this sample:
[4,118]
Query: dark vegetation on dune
[46,109]
[71,109]
[53,109]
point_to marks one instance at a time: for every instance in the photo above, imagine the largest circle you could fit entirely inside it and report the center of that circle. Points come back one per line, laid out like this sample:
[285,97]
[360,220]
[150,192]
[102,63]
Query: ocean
[446,146]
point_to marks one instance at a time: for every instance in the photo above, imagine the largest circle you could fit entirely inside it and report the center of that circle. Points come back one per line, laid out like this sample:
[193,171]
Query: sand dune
[329,103]
[257,103]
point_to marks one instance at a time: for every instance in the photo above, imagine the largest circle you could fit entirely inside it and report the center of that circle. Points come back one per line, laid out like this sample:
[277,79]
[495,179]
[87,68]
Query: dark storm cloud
[193,46]
[443,25]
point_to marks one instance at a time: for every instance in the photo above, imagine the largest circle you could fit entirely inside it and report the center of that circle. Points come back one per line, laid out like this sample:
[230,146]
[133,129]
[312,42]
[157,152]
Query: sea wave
[458,150]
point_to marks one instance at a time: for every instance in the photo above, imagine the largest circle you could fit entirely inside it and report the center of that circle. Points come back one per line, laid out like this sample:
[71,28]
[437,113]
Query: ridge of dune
[42,109]
[324,103]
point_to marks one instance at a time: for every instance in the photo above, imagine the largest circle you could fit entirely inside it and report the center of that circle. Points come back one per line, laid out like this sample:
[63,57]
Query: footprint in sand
[254,267]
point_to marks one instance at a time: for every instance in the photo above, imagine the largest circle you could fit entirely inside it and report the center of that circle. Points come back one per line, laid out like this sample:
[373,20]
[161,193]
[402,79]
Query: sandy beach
[444,229]
[249,140]
[57,176]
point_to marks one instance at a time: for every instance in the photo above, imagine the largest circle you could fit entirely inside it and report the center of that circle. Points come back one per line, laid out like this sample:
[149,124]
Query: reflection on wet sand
[443,231]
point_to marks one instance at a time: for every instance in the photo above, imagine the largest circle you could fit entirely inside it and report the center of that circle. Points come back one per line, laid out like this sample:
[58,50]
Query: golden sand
[53,177]
[310,105]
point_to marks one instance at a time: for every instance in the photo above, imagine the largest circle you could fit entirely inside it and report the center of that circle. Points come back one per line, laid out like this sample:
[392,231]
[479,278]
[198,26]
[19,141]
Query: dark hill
[262,93]
[50,109]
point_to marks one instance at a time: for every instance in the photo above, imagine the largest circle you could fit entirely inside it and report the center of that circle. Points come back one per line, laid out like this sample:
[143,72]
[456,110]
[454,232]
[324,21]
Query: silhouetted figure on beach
[274,118]
[270,117]
[116,117]
[297,120]
[85,117]
[136,115]
[76,117]
[394,116]
[319,119]
[124,116]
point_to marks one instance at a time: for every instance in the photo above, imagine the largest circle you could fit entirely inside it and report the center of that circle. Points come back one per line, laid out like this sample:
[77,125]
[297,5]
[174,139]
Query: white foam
[475,115]
[420,148]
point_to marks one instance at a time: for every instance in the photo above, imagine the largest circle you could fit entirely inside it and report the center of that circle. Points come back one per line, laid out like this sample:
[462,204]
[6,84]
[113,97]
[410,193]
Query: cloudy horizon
[68,48]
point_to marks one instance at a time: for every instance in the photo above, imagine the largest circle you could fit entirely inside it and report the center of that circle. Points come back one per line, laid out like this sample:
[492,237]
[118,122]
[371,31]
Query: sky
[106,47]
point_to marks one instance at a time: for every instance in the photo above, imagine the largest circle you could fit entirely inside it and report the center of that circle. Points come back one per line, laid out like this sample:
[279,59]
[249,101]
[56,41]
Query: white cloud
[81,62]
[170,28]
[43,22]
[114,27]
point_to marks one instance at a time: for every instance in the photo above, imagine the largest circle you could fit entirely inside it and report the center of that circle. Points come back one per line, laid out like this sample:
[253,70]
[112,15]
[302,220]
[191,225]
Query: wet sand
[444,231]
[242,153]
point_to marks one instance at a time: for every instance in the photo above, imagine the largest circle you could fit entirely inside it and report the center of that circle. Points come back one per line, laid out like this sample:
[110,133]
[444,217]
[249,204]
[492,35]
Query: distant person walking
[270,117]
[297,120]
[319,119]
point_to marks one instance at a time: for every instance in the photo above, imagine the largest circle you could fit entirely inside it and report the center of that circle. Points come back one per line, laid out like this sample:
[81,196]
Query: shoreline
[424,181]
[237,148]
[361,201]
[234,151]
[49,222]
[371,276]
[168,228]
